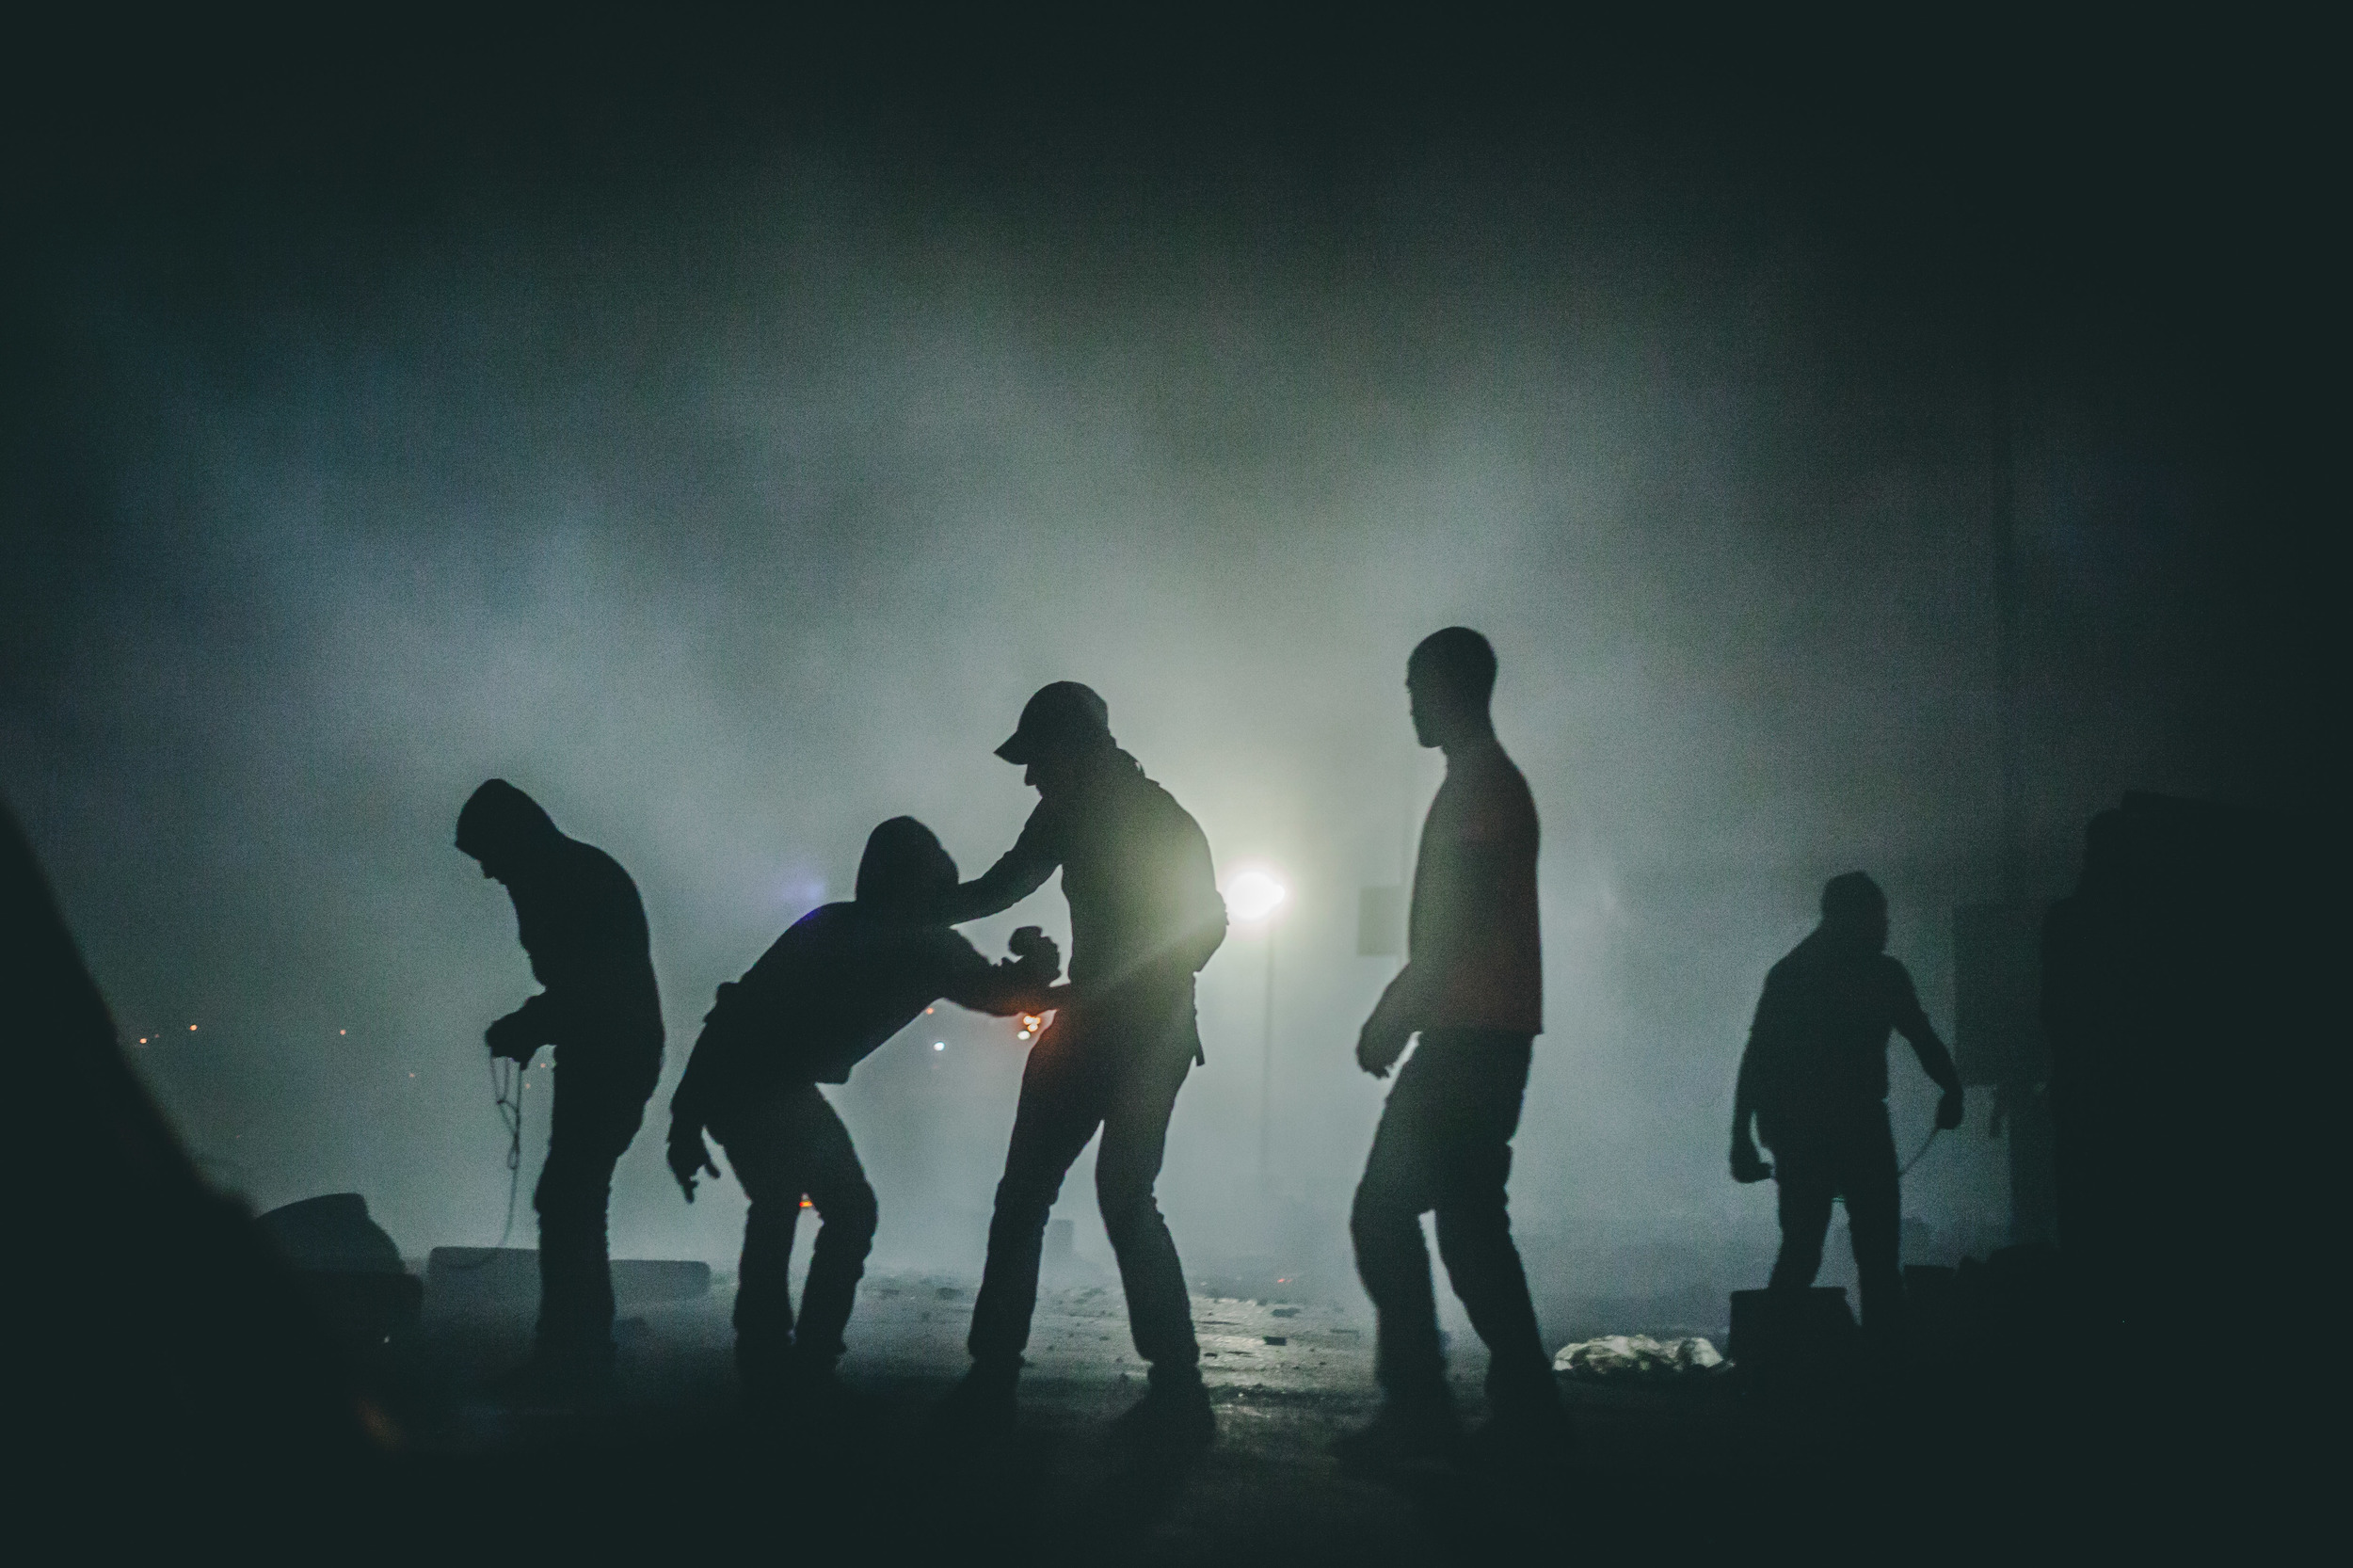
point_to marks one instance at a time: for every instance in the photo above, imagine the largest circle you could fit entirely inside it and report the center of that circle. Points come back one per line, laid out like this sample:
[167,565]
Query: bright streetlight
[1254,895]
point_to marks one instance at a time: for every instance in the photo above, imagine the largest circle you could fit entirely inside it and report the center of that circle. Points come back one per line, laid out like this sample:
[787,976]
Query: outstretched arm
[1020,984]
[1018,872]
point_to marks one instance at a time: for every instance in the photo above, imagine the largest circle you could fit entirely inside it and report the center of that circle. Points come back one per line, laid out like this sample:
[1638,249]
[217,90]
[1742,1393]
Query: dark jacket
[1816,1057]
[831,990]
[581,923]
[1145,910]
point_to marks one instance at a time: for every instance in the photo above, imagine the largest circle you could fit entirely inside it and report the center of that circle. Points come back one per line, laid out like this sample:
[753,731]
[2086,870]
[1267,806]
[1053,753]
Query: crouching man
[844,980]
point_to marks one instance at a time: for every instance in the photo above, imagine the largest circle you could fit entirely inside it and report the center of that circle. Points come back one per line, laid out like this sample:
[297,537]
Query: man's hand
[689,1156]
[1379,1044]
[1950,1111]
[1747,1165]
[512,1037]
[1032,946]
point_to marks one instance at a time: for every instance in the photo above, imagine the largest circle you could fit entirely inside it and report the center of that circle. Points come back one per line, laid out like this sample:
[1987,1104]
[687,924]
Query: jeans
[600,1102]
[1856,1158]
[781,1148]
[1120,1072]
[1444,1144]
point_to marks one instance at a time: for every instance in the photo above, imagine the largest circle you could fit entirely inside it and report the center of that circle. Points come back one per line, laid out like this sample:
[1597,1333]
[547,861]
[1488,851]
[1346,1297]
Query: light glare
[1254,895]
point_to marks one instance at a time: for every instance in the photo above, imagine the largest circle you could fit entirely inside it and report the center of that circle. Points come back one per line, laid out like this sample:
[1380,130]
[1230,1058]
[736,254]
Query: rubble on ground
[1615,1357]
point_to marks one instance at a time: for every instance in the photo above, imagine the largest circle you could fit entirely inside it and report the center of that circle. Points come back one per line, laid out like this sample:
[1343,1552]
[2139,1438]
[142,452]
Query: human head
[1448,681]
[503,827]
[1062,725]
[1855,909]
[904,866]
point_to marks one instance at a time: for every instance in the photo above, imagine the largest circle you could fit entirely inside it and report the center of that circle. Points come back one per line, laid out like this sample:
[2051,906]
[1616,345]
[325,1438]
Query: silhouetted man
[844,980]
[1814,1078]
[1472,988]
[1145,916]
[580,920]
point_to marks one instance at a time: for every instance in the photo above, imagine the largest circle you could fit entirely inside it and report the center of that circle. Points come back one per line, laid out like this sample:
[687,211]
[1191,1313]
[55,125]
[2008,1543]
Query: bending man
[580,920]
[1145,916]
[843,981]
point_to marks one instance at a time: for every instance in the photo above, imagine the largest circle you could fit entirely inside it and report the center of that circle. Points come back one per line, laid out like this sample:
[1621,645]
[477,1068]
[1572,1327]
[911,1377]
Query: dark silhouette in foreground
[1144,917]
[580,919]
[1472,988]
[1814,1078]
[833,988]
[2189,994]
[169,1375]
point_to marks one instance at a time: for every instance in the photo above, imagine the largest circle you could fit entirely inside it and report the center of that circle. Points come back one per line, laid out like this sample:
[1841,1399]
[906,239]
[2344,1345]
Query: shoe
[1405,1431]
[1174,1416]
[980,1407]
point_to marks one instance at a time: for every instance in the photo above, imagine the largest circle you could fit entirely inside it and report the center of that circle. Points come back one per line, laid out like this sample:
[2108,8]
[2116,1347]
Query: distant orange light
[806,1203]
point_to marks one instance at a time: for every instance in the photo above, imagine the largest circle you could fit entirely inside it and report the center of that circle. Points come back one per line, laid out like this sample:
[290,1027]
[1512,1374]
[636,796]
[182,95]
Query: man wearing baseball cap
[1144,917]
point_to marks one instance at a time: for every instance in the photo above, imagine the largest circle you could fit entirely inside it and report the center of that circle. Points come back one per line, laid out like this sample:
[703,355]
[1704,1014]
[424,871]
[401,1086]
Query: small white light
[939,1045]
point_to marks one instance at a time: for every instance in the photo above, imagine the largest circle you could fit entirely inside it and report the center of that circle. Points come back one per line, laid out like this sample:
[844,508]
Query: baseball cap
[1059,716]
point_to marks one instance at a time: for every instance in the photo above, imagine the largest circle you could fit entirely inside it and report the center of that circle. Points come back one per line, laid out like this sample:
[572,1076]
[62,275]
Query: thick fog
[733,510]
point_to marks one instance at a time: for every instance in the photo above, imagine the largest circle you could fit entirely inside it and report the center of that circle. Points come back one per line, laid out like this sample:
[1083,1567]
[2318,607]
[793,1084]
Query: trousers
[1853,1157]
[782,1147]
[600,1102]
[1444,1144]
[1118,1072]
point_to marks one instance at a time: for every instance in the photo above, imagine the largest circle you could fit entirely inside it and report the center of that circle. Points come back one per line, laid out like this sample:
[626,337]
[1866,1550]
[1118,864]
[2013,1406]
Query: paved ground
[672,1453]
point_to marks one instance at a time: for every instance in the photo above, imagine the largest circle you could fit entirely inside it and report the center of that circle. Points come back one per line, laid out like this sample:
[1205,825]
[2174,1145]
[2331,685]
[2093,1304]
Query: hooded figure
[581,923]
[833,988]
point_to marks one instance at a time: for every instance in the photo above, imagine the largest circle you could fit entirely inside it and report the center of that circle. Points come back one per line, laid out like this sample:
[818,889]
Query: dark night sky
[720,434]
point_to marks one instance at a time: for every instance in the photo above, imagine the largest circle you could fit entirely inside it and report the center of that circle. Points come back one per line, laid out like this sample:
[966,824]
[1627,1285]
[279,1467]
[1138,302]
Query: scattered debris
[1627,1356]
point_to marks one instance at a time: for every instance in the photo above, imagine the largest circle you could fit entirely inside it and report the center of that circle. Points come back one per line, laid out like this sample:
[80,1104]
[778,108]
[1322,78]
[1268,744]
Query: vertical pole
[1266,1068]
[2008,590]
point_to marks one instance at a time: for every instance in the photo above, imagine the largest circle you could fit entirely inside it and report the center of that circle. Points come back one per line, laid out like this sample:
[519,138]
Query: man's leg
[1805,1191]
[1398,1184]
[1874,1226]
[1486,1077]
[838,1189]
[1135,1140]
[1061,1106]
[598,1109]
[761,1151]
